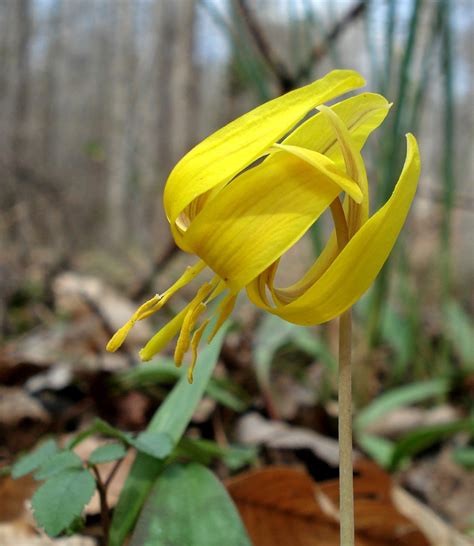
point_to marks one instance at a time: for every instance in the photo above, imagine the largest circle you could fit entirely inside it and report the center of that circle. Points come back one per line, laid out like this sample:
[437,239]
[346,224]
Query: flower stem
[346,491]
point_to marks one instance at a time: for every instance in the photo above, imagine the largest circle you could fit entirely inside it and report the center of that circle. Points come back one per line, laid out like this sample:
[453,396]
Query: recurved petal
[326,167]
[226,152]
[258,216]
[361,115]
[356,267]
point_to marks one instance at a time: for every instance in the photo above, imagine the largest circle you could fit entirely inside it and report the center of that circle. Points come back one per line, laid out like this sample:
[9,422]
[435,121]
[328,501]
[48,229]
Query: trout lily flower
[246,194]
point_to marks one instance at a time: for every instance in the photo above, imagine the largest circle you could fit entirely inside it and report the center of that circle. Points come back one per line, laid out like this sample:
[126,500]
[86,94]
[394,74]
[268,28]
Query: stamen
[163,336]
[191,273]
[168,332]
[182,345]
[153,305]
[119,337]
[224,309]
[196,307]
[194,348]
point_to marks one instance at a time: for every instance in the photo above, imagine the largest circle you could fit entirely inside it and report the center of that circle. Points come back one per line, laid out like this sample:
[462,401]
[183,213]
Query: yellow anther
[153,305]
[119,337]
[182,345]
[163,336]
[194,348]
[196,307]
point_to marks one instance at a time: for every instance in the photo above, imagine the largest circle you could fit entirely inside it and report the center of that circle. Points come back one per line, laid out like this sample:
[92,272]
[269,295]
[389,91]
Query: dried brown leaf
[279,506]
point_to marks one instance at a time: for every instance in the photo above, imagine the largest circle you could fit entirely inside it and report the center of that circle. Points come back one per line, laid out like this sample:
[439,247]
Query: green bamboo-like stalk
[389,42]
[391,164]
[448,147]
[426,66]
[370,45]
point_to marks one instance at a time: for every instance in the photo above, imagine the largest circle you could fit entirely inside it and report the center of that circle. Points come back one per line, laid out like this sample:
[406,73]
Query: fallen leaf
[254,429]
[437,531]
[14,494]
[445,486]
[405,419]
[279,507]
[13,534]
[16,404]
[75,293]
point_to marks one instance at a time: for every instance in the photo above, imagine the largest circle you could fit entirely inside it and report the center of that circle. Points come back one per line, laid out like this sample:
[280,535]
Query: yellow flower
[246,194]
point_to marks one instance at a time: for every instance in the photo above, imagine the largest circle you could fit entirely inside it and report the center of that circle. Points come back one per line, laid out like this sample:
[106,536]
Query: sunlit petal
[256,218]
[226,152]
[355,268]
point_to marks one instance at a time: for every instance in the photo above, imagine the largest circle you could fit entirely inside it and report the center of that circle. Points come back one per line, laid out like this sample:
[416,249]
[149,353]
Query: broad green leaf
[205,451]
[155,444]
[58,463]
[172,418]
[379,449]
[190,507]
[424,437]
[31,461]
[402,396]
[107,453]
[165,371]
[61,499]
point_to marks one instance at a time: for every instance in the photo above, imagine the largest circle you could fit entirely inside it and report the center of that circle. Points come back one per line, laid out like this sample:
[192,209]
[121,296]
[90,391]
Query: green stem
[346,488]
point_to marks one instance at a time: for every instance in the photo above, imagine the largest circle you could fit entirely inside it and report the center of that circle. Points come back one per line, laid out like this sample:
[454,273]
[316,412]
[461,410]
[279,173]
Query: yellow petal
[360,114]
[356,267]
[226,152]
[355,168]
[326,167]
[258,216]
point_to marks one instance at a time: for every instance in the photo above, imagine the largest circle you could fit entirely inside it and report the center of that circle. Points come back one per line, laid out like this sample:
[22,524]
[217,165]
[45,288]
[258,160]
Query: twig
[285,80]
[320,50]
[104,509]
[110,477]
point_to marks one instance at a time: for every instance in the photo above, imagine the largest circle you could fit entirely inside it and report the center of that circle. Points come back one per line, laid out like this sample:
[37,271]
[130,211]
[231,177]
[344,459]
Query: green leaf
[102,427]
[155,444]
[205,451]
[61,499]
[58,463]
[402,396]
[272,333]
[189,506]
[464,456]
[31,461]
[109,452]
[165,371]
[460,330]
[379,449]
[171,418]
[424,437]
